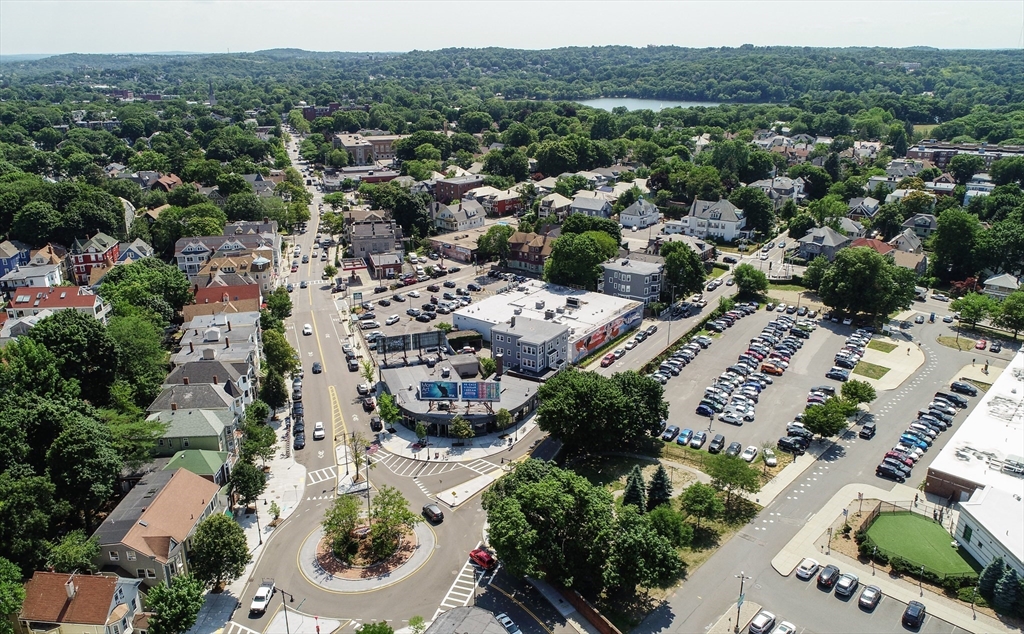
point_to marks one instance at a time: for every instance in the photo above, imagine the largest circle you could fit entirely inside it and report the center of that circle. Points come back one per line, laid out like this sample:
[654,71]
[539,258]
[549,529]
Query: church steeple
[213,99]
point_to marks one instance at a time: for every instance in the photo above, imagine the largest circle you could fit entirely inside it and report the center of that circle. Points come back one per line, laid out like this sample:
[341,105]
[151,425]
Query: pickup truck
[263,596]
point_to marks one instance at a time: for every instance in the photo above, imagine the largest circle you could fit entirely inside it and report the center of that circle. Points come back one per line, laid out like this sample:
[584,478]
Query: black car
[296,395]
[433,513]
[845,363]
[670,433]
[867,431]
[318,367]
[380,289]
[964,388]
[353,364]
[449,284]
[914,615]
[792,445]
[957,400]
[734,449]
[828,576]
[384,302]
[297,410]
[729,259]
[995,347]
[299,442]
[896,464]
[799,432]
[837,375]
[885,470]
[717,444]
[474,287]
[299,426]
[423,317]
[375,424]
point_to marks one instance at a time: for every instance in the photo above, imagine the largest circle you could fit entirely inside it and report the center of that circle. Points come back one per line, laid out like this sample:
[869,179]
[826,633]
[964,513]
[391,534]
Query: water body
[608,103]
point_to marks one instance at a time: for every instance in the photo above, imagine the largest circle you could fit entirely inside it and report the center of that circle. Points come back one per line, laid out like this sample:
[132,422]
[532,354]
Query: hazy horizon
[42,27]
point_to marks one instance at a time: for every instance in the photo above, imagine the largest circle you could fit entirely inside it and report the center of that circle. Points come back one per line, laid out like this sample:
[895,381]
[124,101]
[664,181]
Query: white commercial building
[982,468]
[593,319]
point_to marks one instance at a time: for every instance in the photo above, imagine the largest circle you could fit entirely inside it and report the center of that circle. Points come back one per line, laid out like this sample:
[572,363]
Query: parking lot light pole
[739,604]
[920,581]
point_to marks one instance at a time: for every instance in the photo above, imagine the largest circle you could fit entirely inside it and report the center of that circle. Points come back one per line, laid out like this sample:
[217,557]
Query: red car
[981,344]
[483,559]
[755,353]
[608,360]
[895,455]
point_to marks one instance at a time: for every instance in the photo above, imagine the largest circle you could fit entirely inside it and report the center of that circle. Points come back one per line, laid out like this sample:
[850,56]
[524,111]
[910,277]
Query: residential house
[63,603]
[1001,286]
[940,189]
[586,203]
[152,215]
[700,143]
[467,214]
[719,219]
[862,208]
[906,241]
[924,225]
[704,249]
[195,428]
[449,189]
[824,241]
[238,269]
[916,262]
[28,302]
[640,215]
[882,248]
[531,346]
[979,185]
[191,254]
[633,279]
[16,327]
[942,152]
[498,202]
[529,251]
[200,396]
[899,169]
[898,195]
[55,254]
[133,252]
[39,273]
[368,238]
[236,379]
[202,338]
[99,250]
[149,532]
[13,254]
[781,188]
[851,228]
[554,204]
[546,185]
[214,466]
[613,172]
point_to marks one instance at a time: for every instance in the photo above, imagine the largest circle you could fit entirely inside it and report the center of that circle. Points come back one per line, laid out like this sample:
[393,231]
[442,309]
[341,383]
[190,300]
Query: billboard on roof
[439,391]
[481,391]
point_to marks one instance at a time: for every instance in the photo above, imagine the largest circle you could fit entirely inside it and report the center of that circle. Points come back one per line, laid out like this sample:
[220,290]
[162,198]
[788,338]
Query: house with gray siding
[633,279]
[531,345]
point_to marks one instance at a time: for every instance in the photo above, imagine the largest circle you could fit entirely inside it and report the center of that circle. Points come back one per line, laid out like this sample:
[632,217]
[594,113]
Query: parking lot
[777,404]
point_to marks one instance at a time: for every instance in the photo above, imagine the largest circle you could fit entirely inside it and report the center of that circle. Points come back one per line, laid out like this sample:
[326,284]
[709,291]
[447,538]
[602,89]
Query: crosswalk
[464,587]
[483,467]
[234,628]
[407,467]
[321,475]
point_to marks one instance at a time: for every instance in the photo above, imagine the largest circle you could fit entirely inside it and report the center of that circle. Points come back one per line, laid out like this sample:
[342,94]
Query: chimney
[266,219]
[69,587]
[513,323]
[215,379]
[227,343]
[184,380]
[499,360]
[174,407]
[229,325]
[191,347]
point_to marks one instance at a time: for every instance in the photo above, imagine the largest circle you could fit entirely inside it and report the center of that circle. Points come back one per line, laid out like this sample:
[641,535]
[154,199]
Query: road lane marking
[336,416]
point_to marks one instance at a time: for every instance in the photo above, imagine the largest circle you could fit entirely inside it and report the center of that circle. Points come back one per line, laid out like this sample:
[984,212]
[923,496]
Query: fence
[898,561]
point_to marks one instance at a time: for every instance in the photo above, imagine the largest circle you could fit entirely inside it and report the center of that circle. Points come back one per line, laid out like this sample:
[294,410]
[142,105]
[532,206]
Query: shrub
[969,593]
[900,565]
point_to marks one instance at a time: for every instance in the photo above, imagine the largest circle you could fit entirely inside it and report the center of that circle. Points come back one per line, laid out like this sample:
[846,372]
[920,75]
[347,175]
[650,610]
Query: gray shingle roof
[202,396]
[193,423]
[706,209]
[589,202]
[826,236]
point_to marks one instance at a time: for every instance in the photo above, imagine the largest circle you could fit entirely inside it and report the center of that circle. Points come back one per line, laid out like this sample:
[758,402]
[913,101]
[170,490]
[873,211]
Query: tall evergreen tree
[635,493]
[990,576]
[659,491]
[1007,596]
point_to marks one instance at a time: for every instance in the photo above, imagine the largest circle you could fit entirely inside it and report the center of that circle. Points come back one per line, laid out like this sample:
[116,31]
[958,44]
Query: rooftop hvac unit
[540,304]
[572,302]
[518,311]
[549,314]
[560,309]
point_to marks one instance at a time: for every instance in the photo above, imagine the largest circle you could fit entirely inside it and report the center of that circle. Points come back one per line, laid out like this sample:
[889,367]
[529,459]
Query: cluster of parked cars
[640,336]
[847,584]
[765,622]
[850,355]
[697,439]
[731,317]
[931,421]
[680,358]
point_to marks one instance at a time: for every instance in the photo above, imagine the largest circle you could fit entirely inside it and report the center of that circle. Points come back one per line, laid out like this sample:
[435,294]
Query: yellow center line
[336,415]
[525,609]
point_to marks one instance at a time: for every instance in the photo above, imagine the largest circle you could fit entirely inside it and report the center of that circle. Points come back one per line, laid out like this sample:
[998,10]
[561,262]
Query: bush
[969,593]
[900,565]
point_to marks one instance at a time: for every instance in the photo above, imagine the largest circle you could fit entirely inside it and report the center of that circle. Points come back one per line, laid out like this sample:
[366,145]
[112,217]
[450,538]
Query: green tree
[230,184]
[488,366]
[85,351]
[73,552]
[750,281]
[26,510]
[670,524]
[581,409]
[659,490]
[1011,313]
[639,556]
[339,521]
[444,327]
[824,210]
[421,430]
[279,353]
[888,220]
[83,465]
[142,360]
[1008,593]
[814,272]
[388,409]
[1008,170]
[391,519]
[989,577]
[800,225]
[273,391]
[757,207]
[858,392]
[380,627]
[494,243]
[974,307]
[636,492]
[36,222]
[243,206]
[684,272]
[219,551]
[826,420]
[417,625]
[862,280]
[569,185]
[964,166]
[507,161]
[248,482]
[175,606]
[460,428]
[581,224]
[954,243]
[503,419]
[279,303]
[574,261]
[647,406]
[730,473]
[701,501]
[12,593]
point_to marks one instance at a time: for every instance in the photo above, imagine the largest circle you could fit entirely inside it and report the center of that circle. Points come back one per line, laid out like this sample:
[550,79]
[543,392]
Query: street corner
[298,623]
[454,496]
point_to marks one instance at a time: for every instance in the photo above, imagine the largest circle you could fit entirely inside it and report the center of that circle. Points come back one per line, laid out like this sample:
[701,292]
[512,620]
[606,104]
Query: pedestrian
[908,351]
[915,499]
[972,362]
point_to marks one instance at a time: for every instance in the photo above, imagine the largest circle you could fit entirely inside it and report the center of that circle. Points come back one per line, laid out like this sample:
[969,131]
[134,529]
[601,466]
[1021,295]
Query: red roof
[46,599]
[56,298]
[871,243]
[222,294]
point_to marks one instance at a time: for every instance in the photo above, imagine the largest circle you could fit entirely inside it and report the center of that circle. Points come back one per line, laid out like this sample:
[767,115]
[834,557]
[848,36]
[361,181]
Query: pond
[608,103]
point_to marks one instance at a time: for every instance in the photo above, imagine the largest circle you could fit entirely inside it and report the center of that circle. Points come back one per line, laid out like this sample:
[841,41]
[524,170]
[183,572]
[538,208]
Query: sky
[219,26]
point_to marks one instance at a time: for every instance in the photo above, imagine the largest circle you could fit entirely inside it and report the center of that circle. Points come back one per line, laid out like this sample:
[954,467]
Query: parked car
[889,471]
[791,445]
[734,449]
[717,444]
[870,597]
[828,576]
[699,439]
[807,568]
[769,457]
[670,433]
[262,598]
[684,437]
[847,584]
[483,558]
[762,623]
[964,388]
[914,615]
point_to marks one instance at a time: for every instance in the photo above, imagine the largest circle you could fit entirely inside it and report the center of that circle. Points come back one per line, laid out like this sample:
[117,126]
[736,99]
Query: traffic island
[363,564]
[320,567]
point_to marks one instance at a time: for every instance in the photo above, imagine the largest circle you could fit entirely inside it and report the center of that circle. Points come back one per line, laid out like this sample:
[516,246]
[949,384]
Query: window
[140,573]
[161,441]
[184,442]
[135,605]
[968,533]
[113,555]
[131,555]
[150,573]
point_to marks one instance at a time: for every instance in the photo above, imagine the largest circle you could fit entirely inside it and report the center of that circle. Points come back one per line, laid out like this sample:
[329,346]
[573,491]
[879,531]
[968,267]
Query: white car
[394,319]
[785,628]
[307,330]
[807,568]
[507,623]
[318,431]
[769,458]
[414,294]
[915,452]
[749,453]
[763,623]
[262,597]
[781,308]
[764,256]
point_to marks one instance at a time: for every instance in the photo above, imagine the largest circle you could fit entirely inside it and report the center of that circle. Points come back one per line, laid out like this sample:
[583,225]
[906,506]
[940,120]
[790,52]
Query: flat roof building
[982,468]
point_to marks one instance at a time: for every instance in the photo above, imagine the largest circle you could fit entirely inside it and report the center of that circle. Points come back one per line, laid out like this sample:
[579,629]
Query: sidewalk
[903,361]
[565,609]
[286,482]
[401,443]
[804,544]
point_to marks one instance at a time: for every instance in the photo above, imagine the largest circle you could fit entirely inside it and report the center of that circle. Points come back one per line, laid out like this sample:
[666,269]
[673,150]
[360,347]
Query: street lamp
[739,603]
[284,604]
[920,581]
[258,529]
[874,551]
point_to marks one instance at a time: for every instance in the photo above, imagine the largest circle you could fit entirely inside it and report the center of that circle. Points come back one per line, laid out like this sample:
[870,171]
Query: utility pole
[258,529]
[284,604]
[739,603]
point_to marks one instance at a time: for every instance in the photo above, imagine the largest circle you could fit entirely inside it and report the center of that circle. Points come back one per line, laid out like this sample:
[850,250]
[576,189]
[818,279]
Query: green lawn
[786,287]
[870,370]
[882,346]
[952,342]
[716,273]
[919,540]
